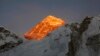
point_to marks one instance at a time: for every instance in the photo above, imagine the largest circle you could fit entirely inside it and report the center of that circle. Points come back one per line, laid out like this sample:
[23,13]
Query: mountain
[85,40]
[8,40]
[73,39]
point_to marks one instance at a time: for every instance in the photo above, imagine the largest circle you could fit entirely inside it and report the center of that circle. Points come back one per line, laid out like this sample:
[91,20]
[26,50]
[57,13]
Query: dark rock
[1,29]
[76,36]
[93,45]
[8,40]
[74,44]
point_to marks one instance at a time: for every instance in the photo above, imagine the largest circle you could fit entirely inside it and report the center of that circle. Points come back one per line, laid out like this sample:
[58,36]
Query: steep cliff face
[93,37]
[85,40]
[8,40]
[76,36]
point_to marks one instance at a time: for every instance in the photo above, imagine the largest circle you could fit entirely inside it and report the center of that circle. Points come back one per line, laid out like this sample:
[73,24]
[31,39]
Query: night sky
[20,15]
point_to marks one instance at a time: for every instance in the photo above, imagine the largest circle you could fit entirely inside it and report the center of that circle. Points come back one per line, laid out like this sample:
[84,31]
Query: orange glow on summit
[44,27]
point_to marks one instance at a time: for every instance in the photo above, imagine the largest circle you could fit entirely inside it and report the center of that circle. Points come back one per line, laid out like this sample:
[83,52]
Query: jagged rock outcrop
[76,36]
[8,40]
[84,25]
[93,37]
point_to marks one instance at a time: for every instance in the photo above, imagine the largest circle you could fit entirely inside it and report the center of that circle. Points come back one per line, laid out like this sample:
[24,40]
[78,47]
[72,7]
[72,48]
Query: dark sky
[21,15]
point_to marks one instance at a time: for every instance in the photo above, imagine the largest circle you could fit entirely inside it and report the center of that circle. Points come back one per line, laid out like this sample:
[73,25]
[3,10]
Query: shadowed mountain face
[8,40]
[85,39]
[76,36]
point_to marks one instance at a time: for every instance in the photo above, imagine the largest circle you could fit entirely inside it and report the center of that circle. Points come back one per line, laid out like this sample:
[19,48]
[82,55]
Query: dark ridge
[76,36]
[4,34]
[84,25]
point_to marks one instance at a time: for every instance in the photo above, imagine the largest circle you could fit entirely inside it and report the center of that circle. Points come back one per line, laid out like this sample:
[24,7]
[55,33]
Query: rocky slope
[85,39]
[8,40]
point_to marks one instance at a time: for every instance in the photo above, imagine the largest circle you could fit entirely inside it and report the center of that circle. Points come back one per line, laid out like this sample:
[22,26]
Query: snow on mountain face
[58,42]
[8,40]
[88,42]
[94,27]
[54,44]
[77,40]
[93,37]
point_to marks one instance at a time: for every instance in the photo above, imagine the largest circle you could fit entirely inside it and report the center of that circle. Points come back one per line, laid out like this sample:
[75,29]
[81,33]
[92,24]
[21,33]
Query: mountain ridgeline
[81,38]
[8,40]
